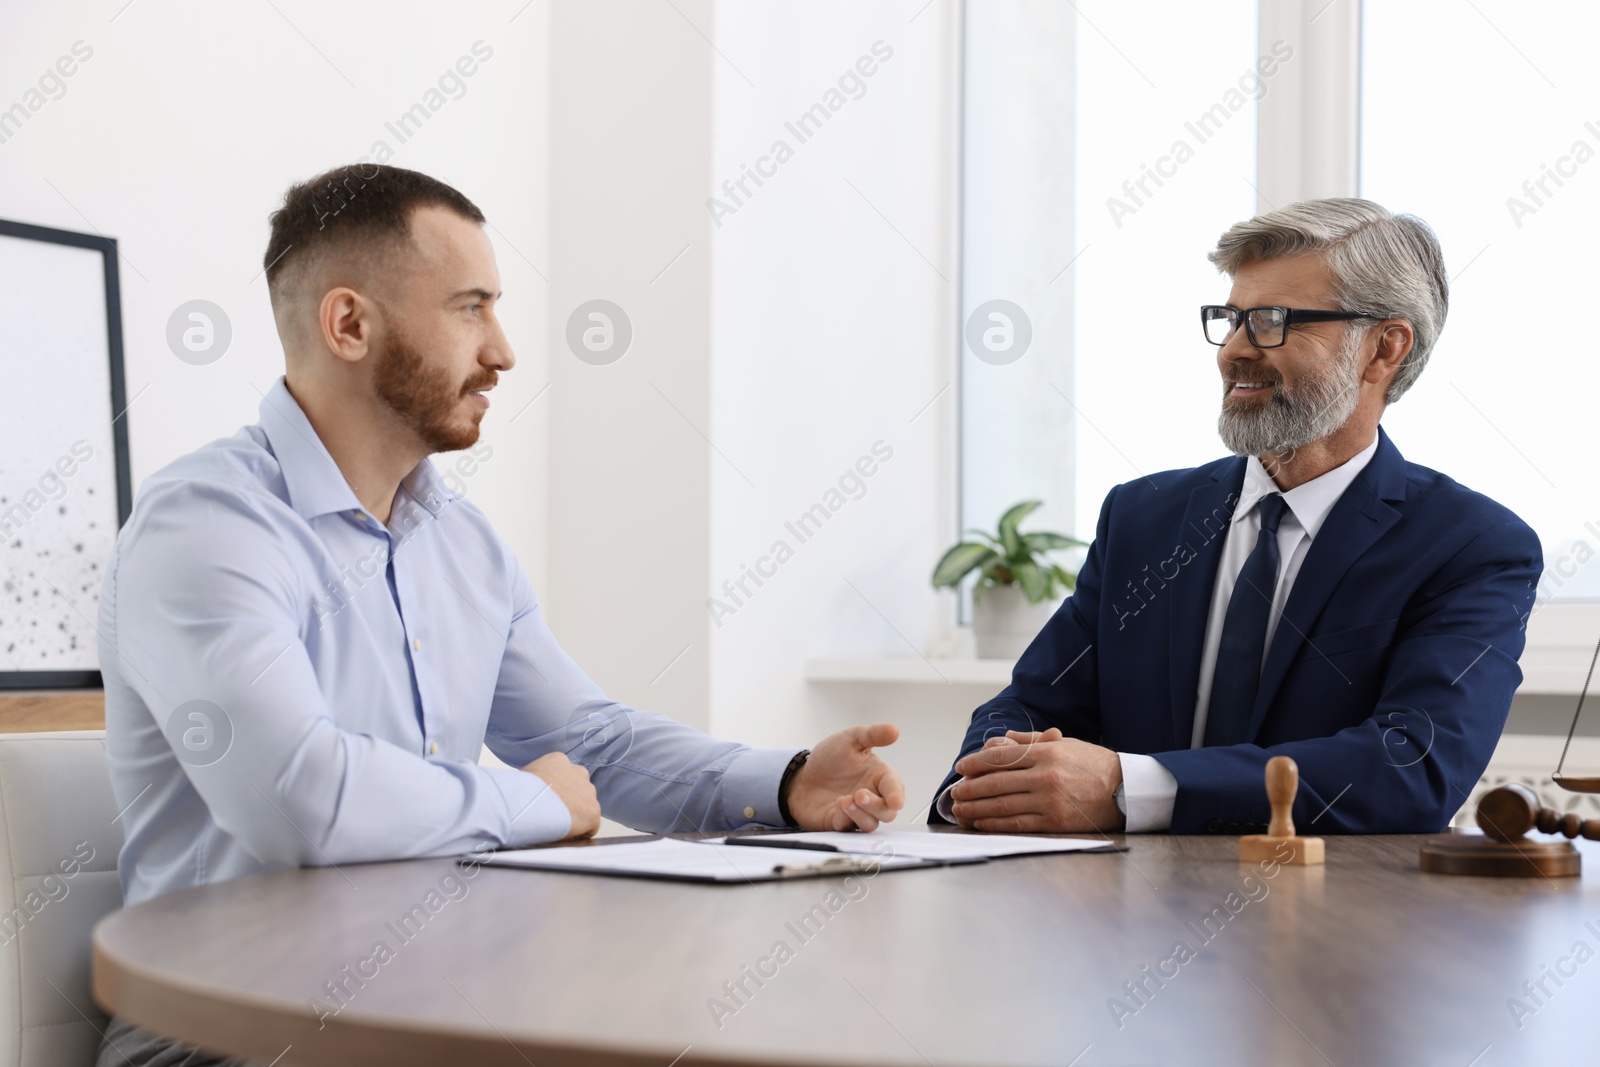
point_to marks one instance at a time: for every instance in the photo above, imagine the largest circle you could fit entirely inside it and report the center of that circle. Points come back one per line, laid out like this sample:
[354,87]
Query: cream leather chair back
[58,876]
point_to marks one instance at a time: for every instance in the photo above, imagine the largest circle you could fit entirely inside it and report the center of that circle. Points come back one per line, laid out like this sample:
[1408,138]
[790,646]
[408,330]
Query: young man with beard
[307,639]
[1318,597]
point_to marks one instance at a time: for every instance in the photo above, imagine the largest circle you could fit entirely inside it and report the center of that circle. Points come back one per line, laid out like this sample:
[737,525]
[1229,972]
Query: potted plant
[1018,586]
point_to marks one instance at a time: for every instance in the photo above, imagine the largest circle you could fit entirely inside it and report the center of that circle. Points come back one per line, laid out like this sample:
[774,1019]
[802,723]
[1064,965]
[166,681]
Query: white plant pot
[1004,623]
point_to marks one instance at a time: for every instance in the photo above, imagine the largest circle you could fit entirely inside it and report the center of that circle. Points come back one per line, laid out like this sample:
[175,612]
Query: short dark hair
[360,207]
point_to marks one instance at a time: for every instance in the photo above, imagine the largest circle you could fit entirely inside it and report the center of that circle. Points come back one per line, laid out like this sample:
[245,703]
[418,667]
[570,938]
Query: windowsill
[1561,641]
[1555,662]
[903,670]
[1551,672]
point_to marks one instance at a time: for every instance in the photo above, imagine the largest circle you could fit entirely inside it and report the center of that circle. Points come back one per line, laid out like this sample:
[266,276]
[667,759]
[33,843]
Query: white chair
[58,876]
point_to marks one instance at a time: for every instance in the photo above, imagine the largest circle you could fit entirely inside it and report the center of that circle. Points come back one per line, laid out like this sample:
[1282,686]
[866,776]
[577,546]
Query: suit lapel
[1356,522]
[1204,529]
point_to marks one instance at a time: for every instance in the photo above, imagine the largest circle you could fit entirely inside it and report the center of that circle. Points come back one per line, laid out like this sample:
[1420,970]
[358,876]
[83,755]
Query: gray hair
[1382,263]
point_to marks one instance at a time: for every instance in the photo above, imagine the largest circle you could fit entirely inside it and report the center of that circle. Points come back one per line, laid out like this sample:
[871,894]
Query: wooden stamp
[1279,842]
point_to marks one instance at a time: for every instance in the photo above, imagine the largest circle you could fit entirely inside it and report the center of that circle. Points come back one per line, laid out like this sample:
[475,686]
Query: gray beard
[1317,407]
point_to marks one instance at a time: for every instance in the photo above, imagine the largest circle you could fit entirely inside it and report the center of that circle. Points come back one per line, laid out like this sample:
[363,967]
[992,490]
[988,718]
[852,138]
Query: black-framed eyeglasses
[1266,327]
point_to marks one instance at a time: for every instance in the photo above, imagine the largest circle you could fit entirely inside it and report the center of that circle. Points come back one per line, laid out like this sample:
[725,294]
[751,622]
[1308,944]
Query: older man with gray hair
[1314,596]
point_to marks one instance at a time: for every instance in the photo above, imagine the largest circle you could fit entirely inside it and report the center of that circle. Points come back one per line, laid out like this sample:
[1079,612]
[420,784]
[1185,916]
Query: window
[1479,120]
[1167,144]
[1102,160]
[1508,175]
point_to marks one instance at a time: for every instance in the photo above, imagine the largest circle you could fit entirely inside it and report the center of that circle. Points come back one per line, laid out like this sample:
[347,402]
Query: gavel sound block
[1504,815]
[1279,842]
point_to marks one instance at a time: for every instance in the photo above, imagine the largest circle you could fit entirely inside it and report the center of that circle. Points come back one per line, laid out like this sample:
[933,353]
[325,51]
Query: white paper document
[695,860]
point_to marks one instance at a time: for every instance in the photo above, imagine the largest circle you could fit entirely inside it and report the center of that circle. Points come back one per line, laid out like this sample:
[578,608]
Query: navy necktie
[1244,634]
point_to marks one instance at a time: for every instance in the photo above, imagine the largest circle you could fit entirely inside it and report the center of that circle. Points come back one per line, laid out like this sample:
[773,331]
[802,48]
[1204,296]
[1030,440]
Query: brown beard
[425,398]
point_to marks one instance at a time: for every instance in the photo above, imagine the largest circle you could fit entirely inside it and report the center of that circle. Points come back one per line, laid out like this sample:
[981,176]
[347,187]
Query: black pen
[761,842]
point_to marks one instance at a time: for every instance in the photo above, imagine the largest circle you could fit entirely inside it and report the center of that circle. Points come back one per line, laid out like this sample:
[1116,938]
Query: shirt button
[749,812]
[416,644]
[433,748]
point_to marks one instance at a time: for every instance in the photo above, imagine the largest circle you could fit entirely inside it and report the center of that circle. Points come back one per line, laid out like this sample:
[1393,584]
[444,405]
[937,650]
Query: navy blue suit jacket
[1388,678]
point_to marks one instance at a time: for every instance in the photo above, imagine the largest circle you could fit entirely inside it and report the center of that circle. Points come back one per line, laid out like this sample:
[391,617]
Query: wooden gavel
[1507,812]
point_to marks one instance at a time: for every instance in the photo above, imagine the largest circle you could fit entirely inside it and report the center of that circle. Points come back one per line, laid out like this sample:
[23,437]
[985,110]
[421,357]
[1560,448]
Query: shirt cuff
[535,813]
[749,787]
[1149,790]
[946,803]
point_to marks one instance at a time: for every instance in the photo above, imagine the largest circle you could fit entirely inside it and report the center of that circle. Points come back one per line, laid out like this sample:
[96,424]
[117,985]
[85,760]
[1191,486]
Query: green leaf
[1011,558]
[1068,580]
[1042,541]
[960,561]
[987,538]
[1034,583]
[1008,526]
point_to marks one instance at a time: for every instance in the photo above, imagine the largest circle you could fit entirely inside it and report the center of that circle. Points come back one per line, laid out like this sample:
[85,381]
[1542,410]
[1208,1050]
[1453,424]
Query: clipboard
[707,862]
[947,847]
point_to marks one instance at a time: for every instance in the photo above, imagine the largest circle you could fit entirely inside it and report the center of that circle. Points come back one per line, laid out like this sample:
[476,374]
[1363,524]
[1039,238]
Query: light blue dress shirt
[291,683]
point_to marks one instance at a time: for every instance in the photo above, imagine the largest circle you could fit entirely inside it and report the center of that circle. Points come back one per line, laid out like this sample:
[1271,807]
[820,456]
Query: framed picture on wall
[64,483]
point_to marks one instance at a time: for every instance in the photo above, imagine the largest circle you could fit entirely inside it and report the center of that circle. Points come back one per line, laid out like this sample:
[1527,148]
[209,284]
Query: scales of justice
[1508,812]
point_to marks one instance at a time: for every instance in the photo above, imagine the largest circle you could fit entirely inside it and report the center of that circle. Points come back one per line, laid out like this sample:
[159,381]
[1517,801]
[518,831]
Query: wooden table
[1023,961]
[36,710]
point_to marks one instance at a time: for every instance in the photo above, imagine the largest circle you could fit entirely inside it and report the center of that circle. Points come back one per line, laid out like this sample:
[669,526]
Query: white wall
[834,297]
[630,470]
[180,132]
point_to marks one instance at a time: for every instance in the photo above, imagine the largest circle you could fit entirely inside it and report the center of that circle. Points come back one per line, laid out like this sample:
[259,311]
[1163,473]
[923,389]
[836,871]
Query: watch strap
[789,772]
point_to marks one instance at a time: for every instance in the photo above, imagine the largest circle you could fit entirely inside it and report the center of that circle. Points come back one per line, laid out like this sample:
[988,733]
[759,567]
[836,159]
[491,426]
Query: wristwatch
[783,785]
[1121,797]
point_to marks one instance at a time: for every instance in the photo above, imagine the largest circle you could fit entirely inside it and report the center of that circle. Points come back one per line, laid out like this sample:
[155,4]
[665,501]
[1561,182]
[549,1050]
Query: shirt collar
[315,483]
[1308,503]
[426,487]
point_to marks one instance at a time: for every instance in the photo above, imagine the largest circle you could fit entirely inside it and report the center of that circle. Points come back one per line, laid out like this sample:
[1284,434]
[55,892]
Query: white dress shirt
[291,682]
[1149,789]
